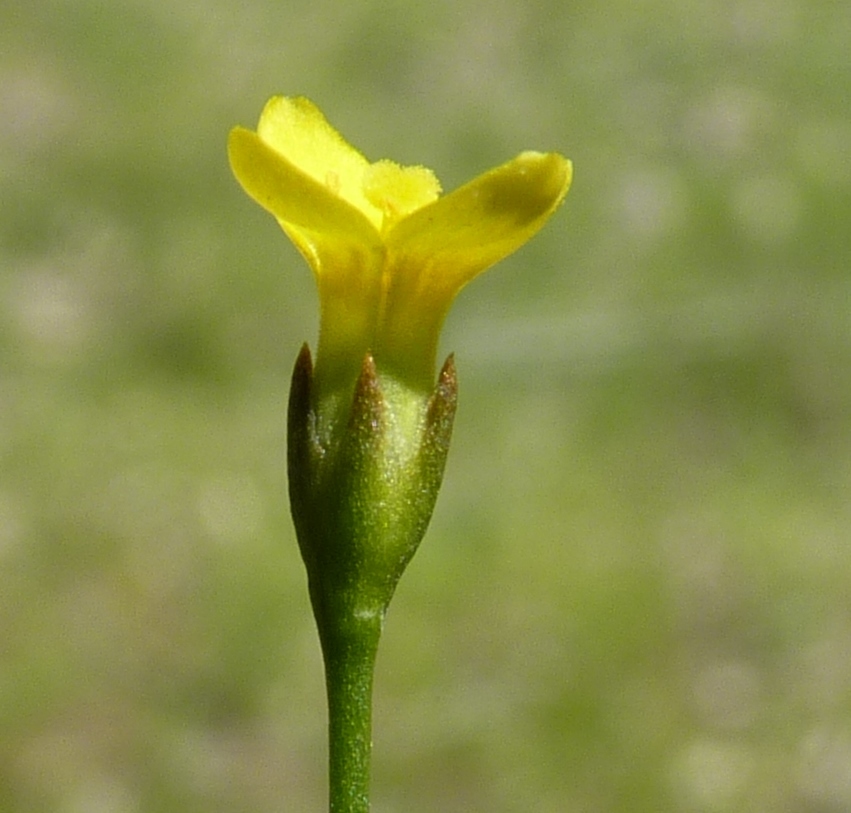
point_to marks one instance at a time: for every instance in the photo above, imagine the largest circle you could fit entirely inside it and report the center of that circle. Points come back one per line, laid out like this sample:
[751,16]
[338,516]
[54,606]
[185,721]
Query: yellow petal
[296,198]
[463,233]
[297,130]
[397,191]
[435,251]
[338,241]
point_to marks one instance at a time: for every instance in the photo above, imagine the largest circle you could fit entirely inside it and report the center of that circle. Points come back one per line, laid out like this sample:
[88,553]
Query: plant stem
[349,656]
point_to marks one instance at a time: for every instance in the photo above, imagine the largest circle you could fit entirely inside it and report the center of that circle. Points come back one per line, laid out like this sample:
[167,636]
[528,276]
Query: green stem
[349,667]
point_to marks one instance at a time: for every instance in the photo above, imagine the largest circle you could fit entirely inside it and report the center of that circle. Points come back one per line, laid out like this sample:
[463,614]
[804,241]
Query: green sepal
[363,496]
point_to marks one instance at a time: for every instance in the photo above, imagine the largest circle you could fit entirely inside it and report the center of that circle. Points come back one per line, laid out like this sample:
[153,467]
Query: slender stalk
[349,667]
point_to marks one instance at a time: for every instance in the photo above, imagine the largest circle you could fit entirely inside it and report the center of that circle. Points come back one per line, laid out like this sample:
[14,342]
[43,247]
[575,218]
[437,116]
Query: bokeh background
[635,592]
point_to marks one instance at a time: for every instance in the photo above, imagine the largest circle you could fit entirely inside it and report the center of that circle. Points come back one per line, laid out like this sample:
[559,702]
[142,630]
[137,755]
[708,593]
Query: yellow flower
[369,427]
[388,252]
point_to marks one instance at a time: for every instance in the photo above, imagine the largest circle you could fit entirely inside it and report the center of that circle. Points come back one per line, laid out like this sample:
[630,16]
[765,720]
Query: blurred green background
[635,592]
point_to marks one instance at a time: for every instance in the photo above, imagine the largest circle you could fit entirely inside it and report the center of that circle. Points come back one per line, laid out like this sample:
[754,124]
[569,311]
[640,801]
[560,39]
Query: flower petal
[295,197]
[398,191]
[463,233]
[297,129]
[339,243]
[438,249]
